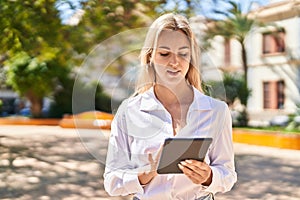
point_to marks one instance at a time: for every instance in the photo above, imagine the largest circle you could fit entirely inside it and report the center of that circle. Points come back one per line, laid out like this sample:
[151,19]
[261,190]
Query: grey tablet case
[176,150]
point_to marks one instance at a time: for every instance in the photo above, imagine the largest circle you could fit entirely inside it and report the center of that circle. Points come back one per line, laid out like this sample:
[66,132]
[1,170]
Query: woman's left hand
[199,172]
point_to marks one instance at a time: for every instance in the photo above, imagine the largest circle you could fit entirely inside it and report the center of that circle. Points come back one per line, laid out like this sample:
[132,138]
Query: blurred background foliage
[234,86]
[34,49]
[231,89]
[40,51]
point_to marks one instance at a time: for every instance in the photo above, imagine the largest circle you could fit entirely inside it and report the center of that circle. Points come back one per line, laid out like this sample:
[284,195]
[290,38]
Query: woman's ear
[150,59]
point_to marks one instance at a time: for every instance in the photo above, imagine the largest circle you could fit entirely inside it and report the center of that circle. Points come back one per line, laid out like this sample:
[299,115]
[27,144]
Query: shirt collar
[201,101]
[149,102]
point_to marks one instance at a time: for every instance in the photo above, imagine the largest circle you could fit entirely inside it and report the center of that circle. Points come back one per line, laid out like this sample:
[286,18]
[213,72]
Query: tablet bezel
[180,149]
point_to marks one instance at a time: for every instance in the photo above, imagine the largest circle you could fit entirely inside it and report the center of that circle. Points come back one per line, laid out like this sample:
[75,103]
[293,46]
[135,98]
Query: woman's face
[172,57]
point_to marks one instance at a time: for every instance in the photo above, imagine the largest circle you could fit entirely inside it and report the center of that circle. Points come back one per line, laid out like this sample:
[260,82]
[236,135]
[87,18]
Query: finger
[194,177]
[159,152]
[150,158]
[199,168]
[197,165]
[188,171]
[153,163]
[193,167]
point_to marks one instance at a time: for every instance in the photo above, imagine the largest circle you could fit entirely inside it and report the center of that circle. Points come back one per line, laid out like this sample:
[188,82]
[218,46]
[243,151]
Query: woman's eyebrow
[184,47]
[165,47]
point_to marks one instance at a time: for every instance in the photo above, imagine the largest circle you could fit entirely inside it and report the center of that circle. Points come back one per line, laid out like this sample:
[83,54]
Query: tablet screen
[176,150]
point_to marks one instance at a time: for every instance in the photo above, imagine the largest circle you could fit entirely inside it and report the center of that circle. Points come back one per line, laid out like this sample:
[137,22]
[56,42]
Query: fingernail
[180,166]
[188,161]
[183,162]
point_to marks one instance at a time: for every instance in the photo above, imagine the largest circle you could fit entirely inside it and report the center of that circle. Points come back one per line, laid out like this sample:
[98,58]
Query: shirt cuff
[216,179]
[132,183]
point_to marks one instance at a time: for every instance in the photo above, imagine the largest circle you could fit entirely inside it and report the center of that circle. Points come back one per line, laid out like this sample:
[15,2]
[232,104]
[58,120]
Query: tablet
[176,150]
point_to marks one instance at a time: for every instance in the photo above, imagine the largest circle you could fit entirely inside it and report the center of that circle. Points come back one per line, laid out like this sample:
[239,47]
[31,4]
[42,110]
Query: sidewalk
[265,173]
[49,162]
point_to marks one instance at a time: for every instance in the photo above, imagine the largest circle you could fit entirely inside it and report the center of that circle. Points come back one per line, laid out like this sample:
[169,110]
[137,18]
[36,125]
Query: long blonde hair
[169,21]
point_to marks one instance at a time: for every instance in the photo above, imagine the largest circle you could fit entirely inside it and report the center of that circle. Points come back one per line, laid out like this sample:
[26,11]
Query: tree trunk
[245,64]
[36,104]
[244,114]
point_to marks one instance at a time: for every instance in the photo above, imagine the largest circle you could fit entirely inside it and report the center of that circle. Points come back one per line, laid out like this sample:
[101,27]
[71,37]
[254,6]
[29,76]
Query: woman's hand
[146,177]
[197,171]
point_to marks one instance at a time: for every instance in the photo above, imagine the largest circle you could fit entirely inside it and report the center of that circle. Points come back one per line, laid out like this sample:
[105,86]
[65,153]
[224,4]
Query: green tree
[32,26]
[34,47]
[30,78]
[103,19]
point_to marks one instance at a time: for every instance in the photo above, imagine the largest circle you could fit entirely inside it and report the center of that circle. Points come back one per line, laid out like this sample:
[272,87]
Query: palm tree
[235,25]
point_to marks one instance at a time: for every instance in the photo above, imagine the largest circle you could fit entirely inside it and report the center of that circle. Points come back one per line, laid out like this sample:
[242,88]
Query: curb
[267,138]
[85,120]
[252,137]
[28,121]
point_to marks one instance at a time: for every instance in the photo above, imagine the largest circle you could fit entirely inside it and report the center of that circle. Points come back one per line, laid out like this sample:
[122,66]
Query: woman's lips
[173,73]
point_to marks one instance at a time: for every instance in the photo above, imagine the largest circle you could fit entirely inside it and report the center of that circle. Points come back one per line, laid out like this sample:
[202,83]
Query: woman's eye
[183,54]
[164,54]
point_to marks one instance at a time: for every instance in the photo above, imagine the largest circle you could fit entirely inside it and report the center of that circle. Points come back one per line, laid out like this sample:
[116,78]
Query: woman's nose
[173,60]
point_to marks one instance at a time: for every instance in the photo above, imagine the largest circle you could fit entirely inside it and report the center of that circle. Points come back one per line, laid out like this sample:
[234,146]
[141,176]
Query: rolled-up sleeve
[222,155]
[120,178]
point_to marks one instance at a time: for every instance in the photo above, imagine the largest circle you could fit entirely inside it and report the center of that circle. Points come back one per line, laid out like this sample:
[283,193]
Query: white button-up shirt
[140,127]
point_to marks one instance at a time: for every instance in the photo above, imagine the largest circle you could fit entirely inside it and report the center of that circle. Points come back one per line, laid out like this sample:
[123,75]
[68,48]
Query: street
[49,162]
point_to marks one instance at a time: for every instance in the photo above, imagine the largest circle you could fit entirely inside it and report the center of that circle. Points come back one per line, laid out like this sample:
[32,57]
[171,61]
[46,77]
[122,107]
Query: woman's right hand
[146,177]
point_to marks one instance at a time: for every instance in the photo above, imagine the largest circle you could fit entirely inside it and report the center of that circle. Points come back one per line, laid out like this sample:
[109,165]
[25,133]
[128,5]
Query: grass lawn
[273,128]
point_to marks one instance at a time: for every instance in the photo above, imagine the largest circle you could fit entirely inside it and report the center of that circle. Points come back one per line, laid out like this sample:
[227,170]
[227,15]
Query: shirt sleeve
[120,178]
[222,155]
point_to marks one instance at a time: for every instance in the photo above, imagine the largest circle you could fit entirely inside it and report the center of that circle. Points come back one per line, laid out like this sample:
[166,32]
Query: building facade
[273,55]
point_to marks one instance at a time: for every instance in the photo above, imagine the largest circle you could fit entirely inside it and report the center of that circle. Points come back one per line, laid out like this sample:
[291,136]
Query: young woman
[169,103]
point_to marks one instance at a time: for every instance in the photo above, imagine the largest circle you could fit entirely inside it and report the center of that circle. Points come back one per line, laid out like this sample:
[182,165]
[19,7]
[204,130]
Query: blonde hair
[169,21]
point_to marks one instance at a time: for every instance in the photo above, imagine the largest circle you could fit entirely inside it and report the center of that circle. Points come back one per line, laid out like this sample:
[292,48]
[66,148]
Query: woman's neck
[177,102]
[169,96]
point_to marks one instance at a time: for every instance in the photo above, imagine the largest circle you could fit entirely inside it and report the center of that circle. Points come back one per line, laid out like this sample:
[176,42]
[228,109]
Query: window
[274,42]
[267,94]
[273,94]
[280,94]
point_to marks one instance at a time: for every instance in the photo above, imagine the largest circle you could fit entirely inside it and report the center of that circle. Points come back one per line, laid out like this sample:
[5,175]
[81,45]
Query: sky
[208,8]
[66,10]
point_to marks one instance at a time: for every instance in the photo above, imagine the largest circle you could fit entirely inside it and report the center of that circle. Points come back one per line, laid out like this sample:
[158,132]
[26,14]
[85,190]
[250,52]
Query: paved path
[48,162]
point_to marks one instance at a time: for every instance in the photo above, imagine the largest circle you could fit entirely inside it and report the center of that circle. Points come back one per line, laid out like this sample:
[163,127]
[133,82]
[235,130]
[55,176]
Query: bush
[64,102]
[242,119]
[62,99]
[235,88]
